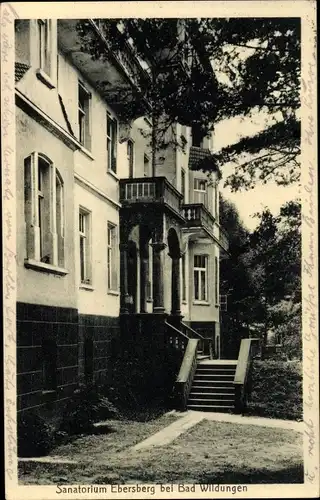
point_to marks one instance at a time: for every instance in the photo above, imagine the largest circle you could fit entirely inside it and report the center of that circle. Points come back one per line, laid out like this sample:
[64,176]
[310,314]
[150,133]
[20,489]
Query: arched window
[44,210]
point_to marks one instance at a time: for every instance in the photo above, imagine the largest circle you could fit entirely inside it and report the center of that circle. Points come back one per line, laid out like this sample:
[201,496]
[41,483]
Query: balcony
[115,75]
[197,215]
[202,224]
[153,191]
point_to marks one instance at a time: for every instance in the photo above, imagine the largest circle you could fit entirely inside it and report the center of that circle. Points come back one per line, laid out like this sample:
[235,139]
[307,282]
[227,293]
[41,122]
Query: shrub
[276,389]
[36,436]
[142,383]
[87,406]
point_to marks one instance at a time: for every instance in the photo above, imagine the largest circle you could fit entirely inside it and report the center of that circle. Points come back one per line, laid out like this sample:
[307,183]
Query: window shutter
[30,203]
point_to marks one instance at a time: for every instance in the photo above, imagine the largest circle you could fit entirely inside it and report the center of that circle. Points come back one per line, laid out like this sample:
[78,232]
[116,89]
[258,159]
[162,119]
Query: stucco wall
[35,286]
[208,311]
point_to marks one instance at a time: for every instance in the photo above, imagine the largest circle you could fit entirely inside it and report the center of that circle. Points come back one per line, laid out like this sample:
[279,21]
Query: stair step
[218,385]
[213,408]
[213,395]
[209,389]
[215,372]
[212,401]
[216,369]
[214,376]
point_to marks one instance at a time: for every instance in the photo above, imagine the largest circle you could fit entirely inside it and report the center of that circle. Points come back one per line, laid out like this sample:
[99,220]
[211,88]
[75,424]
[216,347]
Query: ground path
[191,418]
[185,421]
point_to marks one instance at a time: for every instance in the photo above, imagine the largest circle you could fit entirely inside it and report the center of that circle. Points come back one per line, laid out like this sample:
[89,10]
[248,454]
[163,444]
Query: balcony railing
[197,215]
[125,56]
[156,190]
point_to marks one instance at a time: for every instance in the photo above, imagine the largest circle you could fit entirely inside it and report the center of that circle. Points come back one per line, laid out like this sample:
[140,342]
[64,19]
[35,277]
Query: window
[112,134]
[223,302]
[183,185]
[112,258]
[216,280]
[84,246]
[84,116]
[44,211]
[183,274]
[44,33]
[49,364]
[130,156]
[200,191]
[200,278]
[146,166]
[197,137]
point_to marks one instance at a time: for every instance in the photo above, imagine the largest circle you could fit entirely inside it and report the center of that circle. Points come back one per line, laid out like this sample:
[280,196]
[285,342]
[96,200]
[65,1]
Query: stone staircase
[212,387]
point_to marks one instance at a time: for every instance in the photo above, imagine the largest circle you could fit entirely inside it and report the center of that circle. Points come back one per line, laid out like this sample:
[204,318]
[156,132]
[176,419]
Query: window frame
[199,270]
[216,281]
[131,156]
[223,302]
[112,132]
[197,190]
[84,115]
[42,210]
[44,45]
[85,237]
[112,256]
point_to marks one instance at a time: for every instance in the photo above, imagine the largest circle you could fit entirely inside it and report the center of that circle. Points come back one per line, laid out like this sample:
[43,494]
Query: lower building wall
[98,337]
[38,325]
[83,345]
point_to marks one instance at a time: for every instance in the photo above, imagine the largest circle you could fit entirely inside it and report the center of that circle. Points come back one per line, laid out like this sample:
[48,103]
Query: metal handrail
[193,331]
[177,331]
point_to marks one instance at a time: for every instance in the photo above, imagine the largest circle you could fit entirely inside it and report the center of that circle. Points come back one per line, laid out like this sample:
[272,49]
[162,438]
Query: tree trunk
[154,144]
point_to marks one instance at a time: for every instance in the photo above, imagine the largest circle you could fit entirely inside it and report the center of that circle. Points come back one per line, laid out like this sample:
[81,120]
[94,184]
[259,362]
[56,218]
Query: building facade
[103,243]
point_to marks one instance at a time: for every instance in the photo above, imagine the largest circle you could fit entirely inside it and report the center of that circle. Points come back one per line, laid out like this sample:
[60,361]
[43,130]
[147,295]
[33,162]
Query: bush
[87,406]
[276,389]
[142,384]
[35,436]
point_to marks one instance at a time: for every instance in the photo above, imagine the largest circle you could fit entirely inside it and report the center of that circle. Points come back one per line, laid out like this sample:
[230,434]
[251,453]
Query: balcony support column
[175,285]
[144,268]
[157,275]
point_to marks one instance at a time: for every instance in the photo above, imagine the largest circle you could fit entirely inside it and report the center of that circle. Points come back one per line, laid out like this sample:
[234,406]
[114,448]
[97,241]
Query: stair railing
[243,374]
[186,374]
[205,344]
[175,338]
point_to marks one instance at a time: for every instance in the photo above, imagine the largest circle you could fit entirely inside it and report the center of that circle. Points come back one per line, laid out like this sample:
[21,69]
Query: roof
[196,157]
[20,70]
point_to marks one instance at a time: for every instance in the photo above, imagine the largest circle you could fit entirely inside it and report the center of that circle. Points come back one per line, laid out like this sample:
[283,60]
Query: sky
[263,195]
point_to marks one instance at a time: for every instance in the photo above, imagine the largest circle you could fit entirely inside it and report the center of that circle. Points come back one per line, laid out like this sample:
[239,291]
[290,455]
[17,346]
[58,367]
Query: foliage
[36,437]
[142,387]
[262,277]
[239,67]
[236,282]
[87,406]
[168,90]
[277,390]
[275,257]
[260,63]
